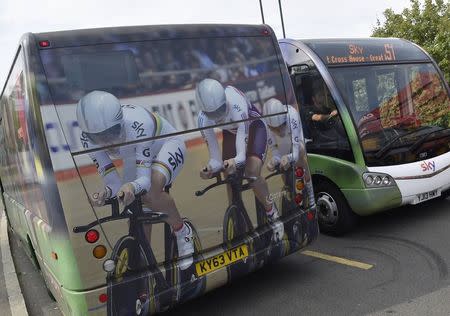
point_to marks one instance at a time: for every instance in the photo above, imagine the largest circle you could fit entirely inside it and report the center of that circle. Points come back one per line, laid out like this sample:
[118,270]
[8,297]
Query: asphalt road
[405,252]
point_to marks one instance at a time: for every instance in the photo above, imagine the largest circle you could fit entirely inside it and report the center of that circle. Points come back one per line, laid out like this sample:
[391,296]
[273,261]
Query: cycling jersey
[239,108]
[281,146]
[164,154]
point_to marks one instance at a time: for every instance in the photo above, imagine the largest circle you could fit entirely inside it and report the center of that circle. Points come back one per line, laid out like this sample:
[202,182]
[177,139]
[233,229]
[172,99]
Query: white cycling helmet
[100,117]
[211,98]
[274,106]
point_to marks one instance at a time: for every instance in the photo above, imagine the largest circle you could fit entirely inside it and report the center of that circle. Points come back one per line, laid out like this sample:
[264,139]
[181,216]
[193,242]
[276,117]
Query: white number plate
[422,197]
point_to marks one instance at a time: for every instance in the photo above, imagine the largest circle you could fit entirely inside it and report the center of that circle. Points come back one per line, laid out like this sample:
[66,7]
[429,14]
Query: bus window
[322,124]
[387,101]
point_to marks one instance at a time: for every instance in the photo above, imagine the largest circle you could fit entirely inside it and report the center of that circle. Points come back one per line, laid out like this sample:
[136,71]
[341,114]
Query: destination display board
[374,51]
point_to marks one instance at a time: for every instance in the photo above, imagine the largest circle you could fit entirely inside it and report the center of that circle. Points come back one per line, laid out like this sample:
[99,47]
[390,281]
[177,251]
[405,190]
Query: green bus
[132,162]
[376,116]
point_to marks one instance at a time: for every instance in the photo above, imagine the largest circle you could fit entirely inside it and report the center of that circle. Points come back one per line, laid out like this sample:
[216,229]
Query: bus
[134,162]
[376,115]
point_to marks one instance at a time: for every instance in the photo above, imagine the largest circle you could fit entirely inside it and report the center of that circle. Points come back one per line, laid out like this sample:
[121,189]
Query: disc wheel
[234,226]
[128,285]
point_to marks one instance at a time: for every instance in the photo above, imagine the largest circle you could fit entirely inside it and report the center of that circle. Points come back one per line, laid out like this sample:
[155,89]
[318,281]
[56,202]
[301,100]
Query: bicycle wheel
[191,285]
[171,267]
[128,285]
[234,226]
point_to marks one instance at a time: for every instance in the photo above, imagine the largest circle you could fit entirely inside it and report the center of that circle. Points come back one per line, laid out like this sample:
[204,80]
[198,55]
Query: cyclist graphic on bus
[244,143]
[279,130]
[149,167]
[284,140]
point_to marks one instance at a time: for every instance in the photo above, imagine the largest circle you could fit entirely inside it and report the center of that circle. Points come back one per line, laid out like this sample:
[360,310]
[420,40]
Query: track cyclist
[244,142]
[148,166]
[284,130]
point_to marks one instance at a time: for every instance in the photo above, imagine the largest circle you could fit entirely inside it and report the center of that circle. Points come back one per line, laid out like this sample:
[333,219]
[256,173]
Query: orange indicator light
[99,251]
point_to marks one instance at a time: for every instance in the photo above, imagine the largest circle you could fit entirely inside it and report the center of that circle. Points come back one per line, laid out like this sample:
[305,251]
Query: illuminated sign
[358,54]
[335,52]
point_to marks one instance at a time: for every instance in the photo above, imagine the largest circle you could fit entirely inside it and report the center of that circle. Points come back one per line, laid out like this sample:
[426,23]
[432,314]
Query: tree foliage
[427,25]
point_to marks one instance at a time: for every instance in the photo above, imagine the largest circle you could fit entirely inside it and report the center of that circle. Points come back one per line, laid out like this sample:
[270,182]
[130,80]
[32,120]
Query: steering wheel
[334,121]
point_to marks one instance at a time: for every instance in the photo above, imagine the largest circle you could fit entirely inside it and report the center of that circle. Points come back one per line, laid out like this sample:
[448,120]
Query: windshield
[402,112]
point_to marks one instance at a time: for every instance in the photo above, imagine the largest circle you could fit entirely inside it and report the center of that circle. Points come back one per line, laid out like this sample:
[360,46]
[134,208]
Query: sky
[302,19]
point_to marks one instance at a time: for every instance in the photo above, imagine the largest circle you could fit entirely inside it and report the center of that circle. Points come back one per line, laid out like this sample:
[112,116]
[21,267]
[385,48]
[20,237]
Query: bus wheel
[335,216]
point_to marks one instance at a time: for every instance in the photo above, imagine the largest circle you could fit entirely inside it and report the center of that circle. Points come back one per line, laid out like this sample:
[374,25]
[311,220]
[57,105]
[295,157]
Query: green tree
[427,25]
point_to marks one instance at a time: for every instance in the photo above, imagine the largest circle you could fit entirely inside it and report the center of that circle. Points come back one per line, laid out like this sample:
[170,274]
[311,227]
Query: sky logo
[428,166]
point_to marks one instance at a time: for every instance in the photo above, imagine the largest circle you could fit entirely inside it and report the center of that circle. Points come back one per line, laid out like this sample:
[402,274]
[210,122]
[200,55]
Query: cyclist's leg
[256,151]
[228,152]
[165,169]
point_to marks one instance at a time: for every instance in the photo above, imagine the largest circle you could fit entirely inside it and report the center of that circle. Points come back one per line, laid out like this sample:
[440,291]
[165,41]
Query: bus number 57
[389,52]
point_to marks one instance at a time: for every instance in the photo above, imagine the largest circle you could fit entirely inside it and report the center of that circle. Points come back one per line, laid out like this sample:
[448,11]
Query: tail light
[44,43]
[299,172]
[99,251]
[298,198]
[92,236]
[310,215]
[103,298]
[299,185]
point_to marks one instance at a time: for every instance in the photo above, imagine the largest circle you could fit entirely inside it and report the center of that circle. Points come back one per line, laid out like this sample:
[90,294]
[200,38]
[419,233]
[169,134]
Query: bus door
[323,126]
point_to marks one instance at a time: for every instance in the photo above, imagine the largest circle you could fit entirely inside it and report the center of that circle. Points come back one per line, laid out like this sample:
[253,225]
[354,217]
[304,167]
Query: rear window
[161,75]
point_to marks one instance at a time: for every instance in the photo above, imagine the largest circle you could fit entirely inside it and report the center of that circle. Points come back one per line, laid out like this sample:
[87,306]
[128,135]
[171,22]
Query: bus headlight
[369,180]
[377,180]
[109,265]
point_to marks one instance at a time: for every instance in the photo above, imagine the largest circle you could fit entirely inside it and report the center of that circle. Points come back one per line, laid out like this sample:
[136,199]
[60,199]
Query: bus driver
[149,166]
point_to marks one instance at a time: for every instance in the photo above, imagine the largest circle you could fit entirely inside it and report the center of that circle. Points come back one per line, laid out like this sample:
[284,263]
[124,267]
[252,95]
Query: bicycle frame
[137,217]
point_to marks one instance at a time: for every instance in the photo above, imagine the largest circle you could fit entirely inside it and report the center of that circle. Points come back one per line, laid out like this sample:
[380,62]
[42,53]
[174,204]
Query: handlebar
[133,210]
[279,171]
[231,178]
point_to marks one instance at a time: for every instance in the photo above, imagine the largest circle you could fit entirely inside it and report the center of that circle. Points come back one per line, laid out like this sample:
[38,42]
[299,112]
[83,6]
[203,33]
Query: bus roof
[366,50]
[148,32]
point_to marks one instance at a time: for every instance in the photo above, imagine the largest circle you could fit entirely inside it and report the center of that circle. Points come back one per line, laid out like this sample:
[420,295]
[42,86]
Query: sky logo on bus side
[428,166]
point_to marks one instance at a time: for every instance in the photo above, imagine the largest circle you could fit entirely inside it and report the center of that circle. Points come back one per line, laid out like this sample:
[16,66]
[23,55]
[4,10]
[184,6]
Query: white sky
[303,19]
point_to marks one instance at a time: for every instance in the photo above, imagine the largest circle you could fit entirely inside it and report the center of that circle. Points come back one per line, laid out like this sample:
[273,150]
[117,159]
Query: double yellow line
[339,260]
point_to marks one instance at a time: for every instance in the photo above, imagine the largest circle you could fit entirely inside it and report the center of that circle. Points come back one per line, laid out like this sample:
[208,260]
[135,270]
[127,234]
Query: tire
[172,270]
[191,286]
[335,215]
[126,290]
[234,226]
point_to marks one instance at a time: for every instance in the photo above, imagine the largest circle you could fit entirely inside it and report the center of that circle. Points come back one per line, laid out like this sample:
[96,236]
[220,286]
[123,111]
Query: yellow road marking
[344,261]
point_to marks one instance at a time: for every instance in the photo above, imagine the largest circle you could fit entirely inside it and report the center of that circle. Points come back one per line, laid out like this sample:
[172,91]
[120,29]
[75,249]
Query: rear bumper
[300,227]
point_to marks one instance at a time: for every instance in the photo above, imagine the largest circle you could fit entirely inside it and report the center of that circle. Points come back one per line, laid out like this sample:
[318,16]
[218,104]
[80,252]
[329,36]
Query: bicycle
[290,201]
[238,227]
[134,282]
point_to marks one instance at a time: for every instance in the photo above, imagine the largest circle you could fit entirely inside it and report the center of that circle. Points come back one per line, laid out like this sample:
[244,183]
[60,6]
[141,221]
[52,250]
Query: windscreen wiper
[380,153]
[416,145]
